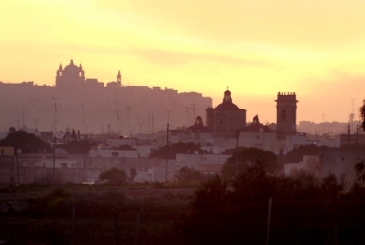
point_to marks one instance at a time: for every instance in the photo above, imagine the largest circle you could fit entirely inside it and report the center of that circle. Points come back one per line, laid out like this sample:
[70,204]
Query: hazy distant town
[193,173]
[115,115]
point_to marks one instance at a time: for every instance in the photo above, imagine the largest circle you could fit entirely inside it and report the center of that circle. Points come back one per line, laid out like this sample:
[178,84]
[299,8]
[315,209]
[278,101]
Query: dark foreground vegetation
[304,210]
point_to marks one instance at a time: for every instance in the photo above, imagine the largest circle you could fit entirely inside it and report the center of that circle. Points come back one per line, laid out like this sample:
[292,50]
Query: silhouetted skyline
[255,48]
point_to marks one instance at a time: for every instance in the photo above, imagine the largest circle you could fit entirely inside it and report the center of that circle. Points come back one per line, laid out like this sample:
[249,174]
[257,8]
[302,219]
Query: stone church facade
[226,116]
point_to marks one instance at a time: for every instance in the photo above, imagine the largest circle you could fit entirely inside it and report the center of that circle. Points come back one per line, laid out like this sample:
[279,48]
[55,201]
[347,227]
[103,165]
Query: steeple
[59,72]
[119,79]
[227,96]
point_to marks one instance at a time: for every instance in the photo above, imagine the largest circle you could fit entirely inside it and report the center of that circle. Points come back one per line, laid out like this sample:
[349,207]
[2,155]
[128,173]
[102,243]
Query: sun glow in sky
[256,48]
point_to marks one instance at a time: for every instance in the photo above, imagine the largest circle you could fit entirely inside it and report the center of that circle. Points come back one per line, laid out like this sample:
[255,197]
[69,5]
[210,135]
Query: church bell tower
[286,114]
[119,79]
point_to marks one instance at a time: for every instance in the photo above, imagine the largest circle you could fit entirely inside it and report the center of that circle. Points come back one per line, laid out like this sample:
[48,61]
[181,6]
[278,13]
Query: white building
[205,163]
[102,152]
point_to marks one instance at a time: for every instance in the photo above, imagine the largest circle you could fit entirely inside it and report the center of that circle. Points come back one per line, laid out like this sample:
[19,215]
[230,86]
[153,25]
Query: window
[283,114]
[63,164]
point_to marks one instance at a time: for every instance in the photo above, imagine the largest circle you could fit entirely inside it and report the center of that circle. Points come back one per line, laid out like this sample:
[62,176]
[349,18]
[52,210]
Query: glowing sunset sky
[257,48]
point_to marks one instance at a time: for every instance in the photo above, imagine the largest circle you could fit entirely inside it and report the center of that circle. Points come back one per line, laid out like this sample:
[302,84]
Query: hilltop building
[86,104]
[73,76]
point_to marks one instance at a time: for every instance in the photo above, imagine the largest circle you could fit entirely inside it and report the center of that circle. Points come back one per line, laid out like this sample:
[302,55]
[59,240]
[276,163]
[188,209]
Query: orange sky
[257,48]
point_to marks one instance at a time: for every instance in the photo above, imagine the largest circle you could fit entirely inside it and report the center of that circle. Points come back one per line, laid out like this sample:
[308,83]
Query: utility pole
[127,107]
[168,116]
[268,222]
[117,113]
[348,134]
[148,122]
[82,118]
[54,163]
[167,148]
[36,123]
[140,127]
[237,135]
[17,120]
[55,114]
[23,115]
[153,121]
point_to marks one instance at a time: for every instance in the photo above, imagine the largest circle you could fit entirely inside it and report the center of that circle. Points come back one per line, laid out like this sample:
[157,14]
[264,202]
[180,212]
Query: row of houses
[41,168]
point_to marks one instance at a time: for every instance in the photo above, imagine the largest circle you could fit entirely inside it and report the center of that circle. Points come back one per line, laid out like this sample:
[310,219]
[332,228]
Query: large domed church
[73,76]
[226,116]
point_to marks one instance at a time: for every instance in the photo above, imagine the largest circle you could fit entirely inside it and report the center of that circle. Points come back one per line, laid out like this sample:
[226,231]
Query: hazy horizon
[257,49]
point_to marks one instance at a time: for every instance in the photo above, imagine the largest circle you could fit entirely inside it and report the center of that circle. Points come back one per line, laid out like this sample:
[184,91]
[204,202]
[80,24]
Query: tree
[252,185]
[360,172]
[77,147]
[211,194]
[296,154]
[73,135]
[331,187]
[114,176]
[176,148]
[132,174]
[27,142]
[186,174]
[246,158]
[362,114]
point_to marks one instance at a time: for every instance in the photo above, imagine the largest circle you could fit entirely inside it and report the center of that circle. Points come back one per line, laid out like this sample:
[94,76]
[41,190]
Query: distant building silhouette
[89,105]
[70,75]
[73,76]
[286,114]
[226,116]
[198,125]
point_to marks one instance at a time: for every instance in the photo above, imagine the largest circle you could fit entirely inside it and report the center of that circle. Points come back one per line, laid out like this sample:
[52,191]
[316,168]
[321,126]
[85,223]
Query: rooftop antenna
[36,123]
[55,114]
[127,107]
[187,109]
[153,122]
[117,113]
[140,127]
[193,108]
[323,120]
[352,115]
[17,120]
[82,118]
[23,115]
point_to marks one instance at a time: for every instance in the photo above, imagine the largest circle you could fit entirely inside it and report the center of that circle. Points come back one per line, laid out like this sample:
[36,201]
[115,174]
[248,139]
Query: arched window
[283,114]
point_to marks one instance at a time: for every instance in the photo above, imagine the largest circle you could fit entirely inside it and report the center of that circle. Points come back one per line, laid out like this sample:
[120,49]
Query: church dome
[72,69]
[227,102]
